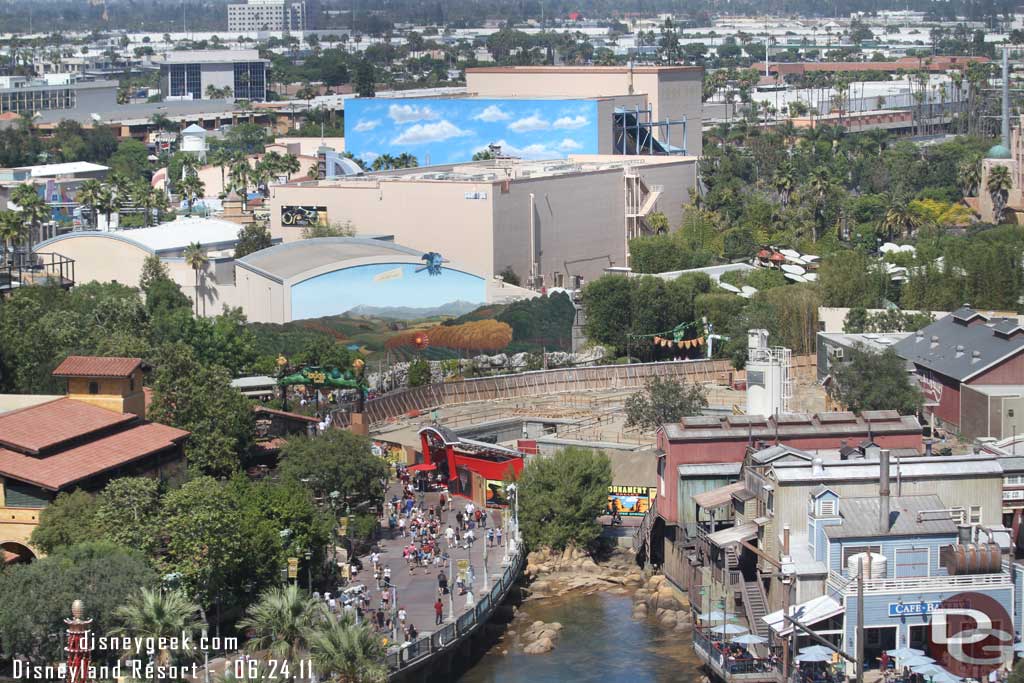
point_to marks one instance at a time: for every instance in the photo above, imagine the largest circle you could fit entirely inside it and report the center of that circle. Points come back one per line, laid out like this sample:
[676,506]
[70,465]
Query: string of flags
[674,337]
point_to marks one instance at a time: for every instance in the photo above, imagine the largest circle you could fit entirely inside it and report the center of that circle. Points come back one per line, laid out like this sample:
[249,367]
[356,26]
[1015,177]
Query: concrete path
[417,592]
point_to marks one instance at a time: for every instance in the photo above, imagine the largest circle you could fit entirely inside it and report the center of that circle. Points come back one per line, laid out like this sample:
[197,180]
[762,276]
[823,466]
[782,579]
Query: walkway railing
[414,652]
[752,669]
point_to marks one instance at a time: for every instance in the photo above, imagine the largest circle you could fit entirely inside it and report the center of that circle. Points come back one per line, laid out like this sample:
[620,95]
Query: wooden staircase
[756,605]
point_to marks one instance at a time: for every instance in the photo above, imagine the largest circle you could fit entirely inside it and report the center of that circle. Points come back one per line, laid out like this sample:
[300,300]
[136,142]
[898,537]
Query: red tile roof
[48,425]
[81,462]
[97,366]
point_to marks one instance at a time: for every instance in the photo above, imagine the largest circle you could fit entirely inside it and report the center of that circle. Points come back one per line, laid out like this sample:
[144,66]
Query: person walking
[490,537]
[442,583]
[438,612]
[401,616]
[497,535]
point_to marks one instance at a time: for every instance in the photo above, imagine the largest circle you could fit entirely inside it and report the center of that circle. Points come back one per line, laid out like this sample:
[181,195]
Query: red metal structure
[79,645]
[457,457]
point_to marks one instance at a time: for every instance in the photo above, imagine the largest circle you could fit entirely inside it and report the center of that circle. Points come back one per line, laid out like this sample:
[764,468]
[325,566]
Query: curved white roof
[167,237]
[289,260]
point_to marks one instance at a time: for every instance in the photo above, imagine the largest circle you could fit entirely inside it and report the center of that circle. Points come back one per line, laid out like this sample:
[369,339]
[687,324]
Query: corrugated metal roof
[860,517]
[717,497]
[743,532]
[710,469]
[958,350]
[911,468]
[293,259]
[820,426]
[808,614]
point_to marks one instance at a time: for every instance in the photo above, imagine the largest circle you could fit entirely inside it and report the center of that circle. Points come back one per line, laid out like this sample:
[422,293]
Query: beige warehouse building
[550,221]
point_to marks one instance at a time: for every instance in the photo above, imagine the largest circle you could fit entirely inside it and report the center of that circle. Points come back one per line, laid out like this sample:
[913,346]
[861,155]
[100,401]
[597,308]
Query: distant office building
[22,95]
[267,15]
[189,74]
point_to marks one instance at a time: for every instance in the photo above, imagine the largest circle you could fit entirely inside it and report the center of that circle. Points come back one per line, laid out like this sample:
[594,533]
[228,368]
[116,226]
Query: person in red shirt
[438,612]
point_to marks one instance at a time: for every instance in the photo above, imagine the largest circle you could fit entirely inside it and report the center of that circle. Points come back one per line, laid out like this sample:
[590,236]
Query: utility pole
[860,621]
[1006,98]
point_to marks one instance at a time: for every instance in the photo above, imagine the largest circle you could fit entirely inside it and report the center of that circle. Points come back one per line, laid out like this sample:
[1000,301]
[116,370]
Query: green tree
[90,195]
[664,401]
[217,552]
[160,615]
[69,519]
[365,85]
[195,257]
[336,460]
[131,160]
[874,381]
[282,622]
[561,496]
[128,512]
[998,186]
[849,279]
[351,653]
[510,277]
[200,399]
[33,209]
[419,372]
[608,303]
[37,597]
[13,230]
[191,189]
[252,238]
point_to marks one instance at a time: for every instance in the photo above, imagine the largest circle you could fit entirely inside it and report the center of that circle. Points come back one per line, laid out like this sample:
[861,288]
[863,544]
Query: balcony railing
[749,669]
[848,585]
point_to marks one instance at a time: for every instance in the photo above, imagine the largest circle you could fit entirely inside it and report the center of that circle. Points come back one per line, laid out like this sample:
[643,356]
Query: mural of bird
[432,261]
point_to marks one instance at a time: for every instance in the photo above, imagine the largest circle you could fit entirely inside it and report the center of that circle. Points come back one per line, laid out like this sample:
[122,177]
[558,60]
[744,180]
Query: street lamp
[309,571]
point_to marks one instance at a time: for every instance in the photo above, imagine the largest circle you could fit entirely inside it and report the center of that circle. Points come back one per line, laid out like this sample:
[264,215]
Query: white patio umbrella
[729,629]
[1018,647]
[716,615]
[806,657]
[749,639]
[902,652]
[930,670]
[917,660]
[816,650]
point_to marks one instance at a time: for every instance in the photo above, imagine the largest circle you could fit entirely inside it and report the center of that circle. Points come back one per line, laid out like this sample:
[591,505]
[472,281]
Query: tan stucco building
[553,220]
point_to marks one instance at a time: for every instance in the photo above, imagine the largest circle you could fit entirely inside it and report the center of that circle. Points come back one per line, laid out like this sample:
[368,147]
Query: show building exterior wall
[485,226]
[673,92]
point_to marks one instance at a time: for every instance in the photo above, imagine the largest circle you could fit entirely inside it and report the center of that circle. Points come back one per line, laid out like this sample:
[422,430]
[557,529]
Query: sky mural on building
[384,286]
[443,131]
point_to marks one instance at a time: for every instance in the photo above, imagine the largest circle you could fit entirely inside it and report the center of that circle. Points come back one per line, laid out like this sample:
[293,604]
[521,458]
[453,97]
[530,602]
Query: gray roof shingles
[860,517]
[960,351]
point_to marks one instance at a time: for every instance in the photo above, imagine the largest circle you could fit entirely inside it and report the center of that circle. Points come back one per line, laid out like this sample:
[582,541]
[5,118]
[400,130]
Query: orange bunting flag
[700,341]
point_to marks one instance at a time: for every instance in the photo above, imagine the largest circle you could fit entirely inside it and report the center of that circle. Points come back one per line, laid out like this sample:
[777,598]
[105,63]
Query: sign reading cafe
[905,609]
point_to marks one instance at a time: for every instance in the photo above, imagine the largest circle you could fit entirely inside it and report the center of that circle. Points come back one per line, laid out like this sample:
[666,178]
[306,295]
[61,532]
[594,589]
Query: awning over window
[422,467]
[808,614]
[727,537]
[717,497]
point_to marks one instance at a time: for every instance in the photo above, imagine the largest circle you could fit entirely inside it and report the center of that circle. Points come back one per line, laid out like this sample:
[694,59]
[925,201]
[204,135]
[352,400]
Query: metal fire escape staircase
[641,200]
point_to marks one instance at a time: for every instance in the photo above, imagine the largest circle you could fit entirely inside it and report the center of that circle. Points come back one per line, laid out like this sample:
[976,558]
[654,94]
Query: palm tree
[819,186]
[999,185]
[969,177]
[406,160]
[196,259]
[34,209]
[879,138]
[108,202]
[785,181]
[159,614]
[899,219]
[88,195]
[239,175]
[220,157]
[290,165]
[351,653]
[191,188]
[12,231]
[283,621]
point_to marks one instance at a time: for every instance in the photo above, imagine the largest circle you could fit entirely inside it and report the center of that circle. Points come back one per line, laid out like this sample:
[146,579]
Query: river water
[599,643]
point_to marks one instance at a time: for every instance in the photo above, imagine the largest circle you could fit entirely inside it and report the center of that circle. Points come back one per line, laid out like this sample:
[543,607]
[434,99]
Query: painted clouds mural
[452,130]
